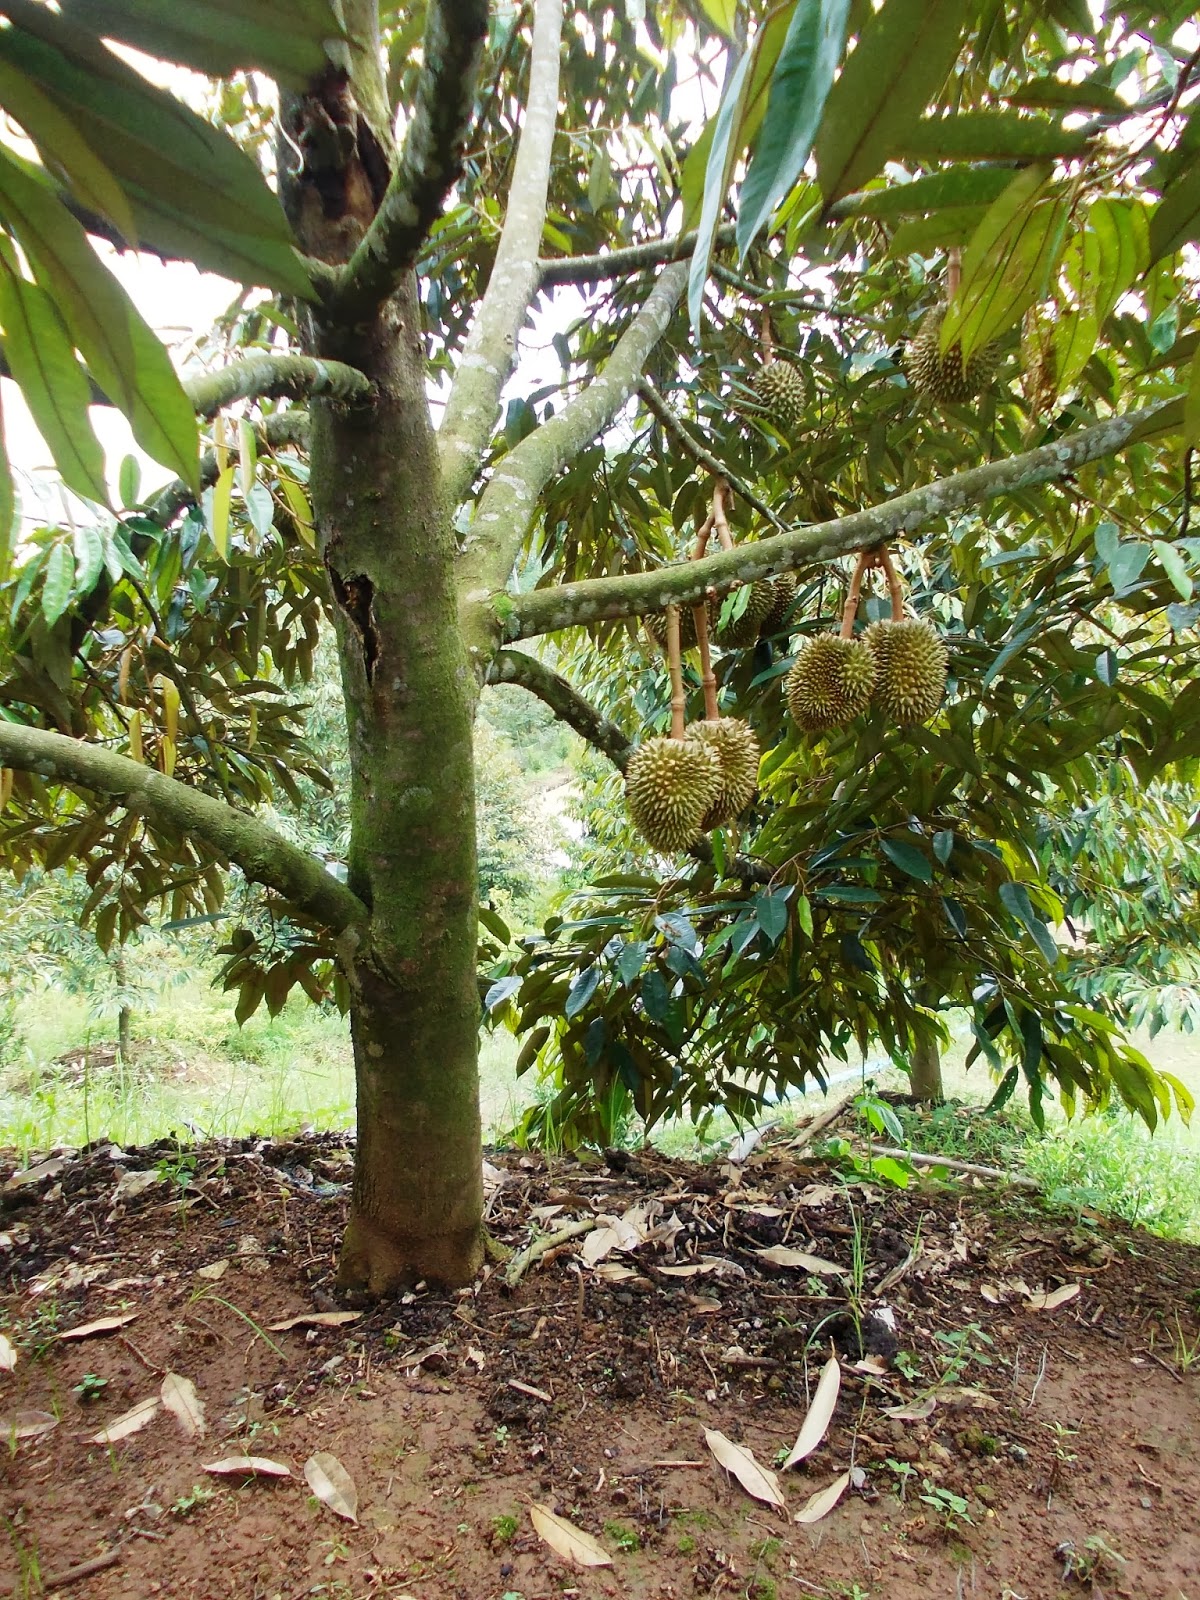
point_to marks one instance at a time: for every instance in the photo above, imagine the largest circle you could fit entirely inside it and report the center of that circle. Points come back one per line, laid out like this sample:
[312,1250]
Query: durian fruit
[946,377]
[910,668]
[1039,362]
[784,586]
[744,630]
[738,755]
[670,785]
[780,389]
[831,682]
[656,624]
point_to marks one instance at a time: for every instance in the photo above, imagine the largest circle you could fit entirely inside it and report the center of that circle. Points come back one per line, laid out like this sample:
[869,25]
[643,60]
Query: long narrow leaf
[716,182]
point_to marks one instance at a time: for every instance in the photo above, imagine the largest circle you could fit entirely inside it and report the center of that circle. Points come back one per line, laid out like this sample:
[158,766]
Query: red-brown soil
[1058,1427]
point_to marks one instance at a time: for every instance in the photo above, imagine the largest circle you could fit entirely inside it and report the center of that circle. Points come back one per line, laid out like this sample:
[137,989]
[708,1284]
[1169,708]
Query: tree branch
[507,507]
[259,851]
[429,165]
[491,348]
[655,403]
[567,704]
[604,599]
[622,263]
[273,377]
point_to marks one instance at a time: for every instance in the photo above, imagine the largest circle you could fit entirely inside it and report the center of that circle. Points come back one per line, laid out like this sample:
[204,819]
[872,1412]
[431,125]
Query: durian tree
[730,221]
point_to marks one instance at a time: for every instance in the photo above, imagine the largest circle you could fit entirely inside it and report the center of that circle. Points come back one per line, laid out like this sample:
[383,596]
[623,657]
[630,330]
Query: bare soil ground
[1048,1443]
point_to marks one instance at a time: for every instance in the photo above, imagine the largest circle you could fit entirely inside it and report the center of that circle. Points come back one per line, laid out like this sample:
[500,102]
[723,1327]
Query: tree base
[379,1263]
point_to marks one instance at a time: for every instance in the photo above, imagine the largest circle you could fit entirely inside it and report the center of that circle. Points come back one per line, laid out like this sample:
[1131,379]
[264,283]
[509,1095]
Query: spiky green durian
[656,624]
[910,669]
[830,682]
[946,377]
[738,754]
[781,390]
[743,631]
[784,586]
[670,785]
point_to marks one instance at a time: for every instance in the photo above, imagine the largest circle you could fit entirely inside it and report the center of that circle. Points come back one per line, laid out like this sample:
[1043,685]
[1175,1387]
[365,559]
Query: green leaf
[503,989]
[89,557]
[955,915]
[129,480]
[1127,564]
[716,181]
[771,912]
[1175,567]
[800,84]
[59,582]
[55,386]
[216,506]
[955,187]
[284,38]
[1191,405]
[988,136]
[631,961]
[804,915]
[1176,219]
[581,991]
[722,14]
[903,57]
[908,859]
[8,506]
[1015,899]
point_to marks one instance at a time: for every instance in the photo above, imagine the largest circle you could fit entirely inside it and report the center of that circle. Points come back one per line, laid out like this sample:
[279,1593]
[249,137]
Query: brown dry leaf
[246,1467]
[132,1421]
[568,1541]
[703,1305]
[611,1272]
[131,1184]
[873,1366]
[990,1293]
[214,1270]
[1054,1298]
[332,1485]
[781,1255]
[914,1411]
[27,1425]
[735,1458]
[817,1194]
[528,1388]
[179,1396]
[816,1424]
[88,1330]
[8,1355]
[821,1503]
[315,1319]
[44,1169]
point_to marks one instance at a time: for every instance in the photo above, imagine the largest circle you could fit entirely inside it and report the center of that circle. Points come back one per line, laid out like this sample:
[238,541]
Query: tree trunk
[925,1079]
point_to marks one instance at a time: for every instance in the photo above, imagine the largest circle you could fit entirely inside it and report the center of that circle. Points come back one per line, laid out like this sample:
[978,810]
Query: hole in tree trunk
[355,595]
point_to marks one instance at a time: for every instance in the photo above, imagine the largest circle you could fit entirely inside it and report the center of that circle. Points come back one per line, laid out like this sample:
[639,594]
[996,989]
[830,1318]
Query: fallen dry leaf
[735,1458]
[179,1396]
[44,1169]
[214,1270]
[8,1355]
[130,1184]
[27,1425]
[613,1272]
[332,1485]
[315,1319]
[821,1503]
[816,1424]
[568,1541]
[1054,1298]
[246,1467]
[528,1388]
[131,1421]
[914,1411]
[781,1255]
[88,1330]
[873,1366]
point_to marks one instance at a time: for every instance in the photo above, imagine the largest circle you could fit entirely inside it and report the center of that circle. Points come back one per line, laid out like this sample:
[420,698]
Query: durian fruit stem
[768,338]
[678,700]
[850,609]
[700,615]
[700,548]
[893,582]
[720,516]
[953,272]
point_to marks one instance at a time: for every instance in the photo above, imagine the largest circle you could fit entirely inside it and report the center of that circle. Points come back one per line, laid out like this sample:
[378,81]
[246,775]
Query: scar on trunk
[355,596]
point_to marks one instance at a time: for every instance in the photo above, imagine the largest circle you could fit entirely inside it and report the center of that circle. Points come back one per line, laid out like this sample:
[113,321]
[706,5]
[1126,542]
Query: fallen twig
[537,1248]
[920,1158]
[85,1569]
[818,1125]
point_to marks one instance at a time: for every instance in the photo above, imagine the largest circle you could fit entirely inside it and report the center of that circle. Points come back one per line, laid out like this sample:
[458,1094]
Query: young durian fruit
[831,682]
[910,669]
[946,377]
[738,754]
[670,786]
[781,392]
[784,586]
[656,624]
[743,631]
[1039,362]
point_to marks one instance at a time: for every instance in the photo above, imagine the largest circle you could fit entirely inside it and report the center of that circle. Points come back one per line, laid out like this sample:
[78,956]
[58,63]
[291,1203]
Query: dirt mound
[1018,1411]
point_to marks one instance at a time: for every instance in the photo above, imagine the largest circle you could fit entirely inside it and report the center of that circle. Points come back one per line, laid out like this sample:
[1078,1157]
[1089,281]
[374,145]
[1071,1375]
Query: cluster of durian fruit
[677,789]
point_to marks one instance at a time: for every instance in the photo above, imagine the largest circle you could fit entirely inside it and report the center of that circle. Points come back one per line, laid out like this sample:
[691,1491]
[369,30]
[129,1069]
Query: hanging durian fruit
[781,392]
[830,682]
[946,377]
[656,625]
[1039,362]
[910,669]
[744,630]
[737,752]
[670,786]
[785,587]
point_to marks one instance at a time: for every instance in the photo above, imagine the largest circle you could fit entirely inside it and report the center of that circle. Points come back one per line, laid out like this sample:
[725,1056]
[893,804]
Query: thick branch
[260,852]
[509,504]
[491,348]
[567,704]
[622,263]
[655,404]
[603,599]
[272,377]
[430,162]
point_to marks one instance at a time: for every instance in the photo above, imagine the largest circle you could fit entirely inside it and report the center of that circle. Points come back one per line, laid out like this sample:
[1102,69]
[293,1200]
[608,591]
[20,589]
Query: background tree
[885,872]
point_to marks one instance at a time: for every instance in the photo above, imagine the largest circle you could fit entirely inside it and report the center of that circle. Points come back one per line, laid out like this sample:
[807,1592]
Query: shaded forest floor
[1019,1406]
